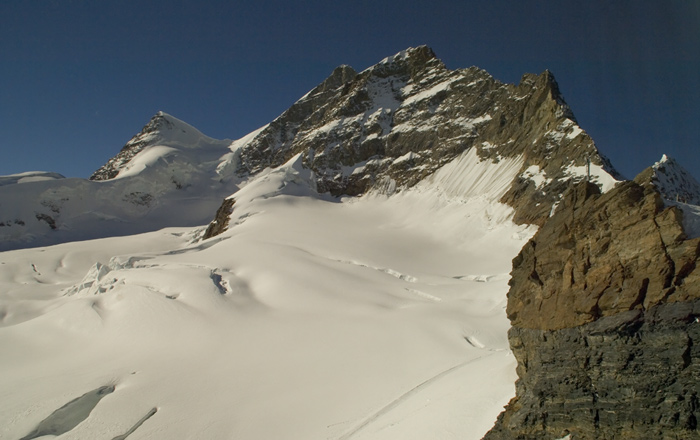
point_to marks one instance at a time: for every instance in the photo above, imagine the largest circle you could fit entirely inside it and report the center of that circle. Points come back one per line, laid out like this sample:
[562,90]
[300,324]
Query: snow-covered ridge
[165,129]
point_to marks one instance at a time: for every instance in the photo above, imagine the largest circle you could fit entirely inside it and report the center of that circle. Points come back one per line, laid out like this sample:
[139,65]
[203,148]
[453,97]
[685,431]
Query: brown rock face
[221,219]
[605,308]
[600,255]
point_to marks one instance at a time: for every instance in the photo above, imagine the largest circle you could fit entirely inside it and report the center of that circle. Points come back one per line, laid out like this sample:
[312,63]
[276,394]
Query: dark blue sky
[79,78]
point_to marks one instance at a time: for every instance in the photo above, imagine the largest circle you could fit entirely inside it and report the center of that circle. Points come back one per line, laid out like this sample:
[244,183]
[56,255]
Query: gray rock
[617,378]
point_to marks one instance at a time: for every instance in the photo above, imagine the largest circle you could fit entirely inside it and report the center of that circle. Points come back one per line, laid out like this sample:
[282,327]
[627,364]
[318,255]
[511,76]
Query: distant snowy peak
[162,130]
[169,174]
[29,176]
[673,181]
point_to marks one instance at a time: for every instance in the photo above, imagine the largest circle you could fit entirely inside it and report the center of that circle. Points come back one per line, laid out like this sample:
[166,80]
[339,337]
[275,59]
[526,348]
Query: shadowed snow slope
[309,318]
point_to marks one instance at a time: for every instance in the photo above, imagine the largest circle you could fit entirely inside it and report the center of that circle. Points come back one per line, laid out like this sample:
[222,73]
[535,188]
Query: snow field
[310,318]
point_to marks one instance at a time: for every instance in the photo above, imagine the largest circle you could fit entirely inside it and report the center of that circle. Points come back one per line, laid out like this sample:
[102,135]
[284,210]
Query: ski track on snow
[392,272]
[402,398]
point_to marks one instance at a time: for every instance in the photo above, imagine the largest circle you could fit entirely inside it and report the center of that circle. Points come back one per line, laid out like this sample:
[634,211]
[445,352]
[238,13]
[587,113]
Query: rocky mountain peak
[411,61]
[354,130]
[673,181]
[159,121]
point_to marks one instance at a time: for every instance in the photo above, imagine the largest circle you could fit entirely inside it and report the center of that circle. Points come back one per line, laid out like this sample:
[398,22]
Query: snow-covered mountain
[351,286]
[166,140]
[170,174]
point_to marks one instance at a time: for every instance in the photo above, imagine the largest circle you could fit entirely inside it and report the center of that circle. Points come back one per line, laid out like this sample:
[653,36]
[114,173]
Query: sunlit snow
[310,318]
[597,174]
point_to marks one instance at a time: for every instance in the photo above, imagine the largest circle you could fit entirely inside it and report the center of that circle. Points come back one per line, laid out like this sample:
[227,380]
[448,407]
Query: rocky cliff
[605,308]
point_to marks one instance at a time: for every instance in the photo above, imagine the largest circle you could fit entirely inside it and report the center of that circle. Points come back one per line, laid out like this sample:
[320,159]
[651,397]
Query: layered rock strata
[605,309]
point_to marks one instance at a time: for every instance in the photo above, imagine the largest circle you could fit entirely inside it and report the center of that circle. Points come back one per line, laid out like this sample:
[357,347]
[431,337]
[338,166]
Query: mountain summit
[673,181]
[391,125]
[168,167]
[161,130]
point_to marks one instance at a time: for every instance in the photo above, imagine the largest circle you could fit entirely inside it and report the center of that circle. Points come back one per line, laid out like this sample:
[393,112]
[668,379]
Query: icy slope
[168,175]
[309,318]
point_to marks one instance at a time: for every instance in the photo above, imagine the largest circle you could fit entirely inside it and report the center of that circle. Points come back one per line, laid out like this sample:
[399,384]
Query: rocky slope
[397,122]
[605,305]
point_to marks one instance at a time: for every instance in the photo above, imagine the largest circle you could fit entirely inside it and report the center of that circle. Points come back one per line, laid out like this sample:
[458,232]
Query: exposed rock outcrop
[604,305]
[221,219]
[631,376]
[603,254]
